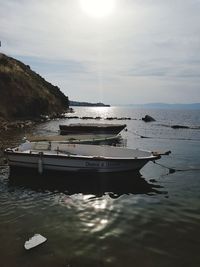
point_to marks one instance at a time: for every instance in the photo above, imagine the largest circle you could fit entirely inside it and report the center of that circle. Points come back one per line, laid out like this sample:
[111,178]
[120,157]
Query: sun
[97,8]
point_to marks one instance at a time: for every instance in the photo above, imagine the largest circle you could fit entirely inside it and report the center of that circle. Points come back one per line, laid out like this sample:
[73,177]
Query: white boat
[59,156]
[106,139]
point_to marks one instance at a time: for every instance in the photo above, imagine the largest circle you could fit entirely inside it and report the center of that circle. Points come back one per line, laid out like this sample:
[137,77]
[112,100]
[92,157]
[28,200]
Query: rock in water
[34,241]
[148,118]
[180,127]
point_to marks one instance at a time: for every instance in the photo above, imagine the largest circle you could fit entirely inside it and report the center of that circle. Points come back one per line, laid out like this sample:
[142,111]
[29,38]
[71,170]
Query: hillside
[25,94]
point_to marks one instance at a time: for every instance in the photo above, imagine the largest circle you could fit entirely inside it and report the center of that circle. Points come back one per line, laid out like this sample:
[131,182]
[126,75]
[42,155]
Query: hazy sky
[126,51]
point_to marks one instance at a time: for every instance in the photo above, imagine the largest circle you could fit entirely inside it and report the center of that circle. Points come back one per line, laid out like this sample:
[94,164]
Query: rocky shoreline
[11,124]
[19,124]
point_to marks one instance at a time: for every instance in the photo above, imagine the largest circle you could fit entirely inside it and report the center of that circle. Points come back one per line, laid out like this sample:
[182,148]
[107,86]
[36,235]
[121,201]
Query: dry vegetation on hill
[25,94]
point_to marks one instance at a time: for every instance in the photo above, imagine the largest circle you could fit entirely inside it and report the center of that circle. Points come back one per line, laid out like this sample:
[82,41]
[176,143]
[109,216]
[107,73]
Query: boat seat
[41,146]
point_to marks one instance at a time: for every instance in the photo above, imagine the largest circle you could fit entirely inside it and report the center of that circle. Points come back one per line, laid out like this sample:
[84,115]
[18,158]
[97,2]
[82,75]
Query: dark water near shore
[148,220]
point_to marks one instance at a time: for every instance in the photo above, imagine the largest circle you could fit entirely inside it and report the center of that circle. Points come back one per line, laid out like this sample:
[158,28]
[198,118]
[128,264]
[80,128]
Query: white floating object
[34,241]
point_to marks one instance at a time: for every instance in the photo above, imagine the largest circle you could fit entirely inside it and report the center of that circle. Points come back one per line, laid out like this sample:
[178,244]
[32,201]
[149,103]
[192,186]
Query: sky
[110,51]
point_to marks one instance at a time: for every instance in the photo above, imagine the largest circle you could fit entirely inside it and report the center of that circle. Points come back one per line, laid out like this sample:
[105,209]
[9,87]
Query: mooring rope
[173,170]
[167,138]
[138,134]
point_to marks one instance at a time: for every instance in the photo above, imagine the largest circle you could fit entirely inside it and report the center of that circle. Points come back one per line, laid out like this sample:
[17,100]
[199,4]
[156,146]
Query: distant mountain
[87,104]
[166,106]
[25,94]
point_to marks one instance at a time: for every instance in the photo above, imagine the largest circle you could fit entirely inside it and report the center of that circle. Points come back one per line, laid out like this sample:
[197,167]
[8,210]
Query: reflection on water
[87,208]
[114,184]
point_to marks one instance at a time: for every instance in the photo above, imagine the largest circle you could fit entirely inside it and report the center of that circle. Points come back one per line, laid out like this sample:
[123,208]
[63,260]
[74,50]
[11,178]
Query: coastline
[21,123]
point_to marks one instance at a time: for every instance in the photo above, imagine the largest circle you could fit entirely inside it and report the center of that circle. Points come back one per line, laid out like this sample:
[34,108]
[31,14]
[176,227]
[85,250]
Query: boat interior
[84,150]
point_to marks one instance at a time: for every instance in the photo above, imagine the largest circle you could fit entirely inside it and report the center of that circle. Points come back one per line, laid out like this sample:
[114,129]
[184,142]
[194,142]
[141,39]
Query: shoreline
[7,124]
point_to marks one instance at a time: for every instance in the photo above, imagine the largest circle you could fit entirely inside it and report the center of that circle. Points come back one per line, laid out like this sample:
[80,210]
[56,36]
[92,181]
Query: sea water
[148,219]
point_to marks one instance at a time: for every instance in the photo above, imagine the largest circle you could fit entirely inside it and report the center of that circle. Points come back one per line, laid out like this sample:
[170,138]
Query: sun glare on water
[97,8]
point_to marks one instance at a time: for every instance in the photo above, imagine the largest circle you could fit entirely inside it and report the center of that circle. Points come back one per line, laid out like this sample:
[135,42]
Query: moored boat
[91,128]
[106,139]
[59,156]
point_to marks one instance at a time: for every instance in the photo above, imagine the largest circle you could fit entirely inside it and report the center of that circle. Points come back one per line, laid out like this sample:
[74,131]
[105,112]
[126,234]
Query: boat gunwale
[60,154]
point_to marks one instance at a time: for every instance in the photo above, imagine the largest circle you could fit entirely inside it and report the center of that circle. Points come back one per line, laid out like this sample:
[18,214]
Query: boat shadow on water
[113,184]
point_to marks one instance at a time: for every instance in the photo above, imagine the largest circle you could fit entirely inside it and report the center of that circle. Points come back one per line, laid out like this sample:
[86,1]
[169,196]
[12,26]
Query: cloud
[149,45]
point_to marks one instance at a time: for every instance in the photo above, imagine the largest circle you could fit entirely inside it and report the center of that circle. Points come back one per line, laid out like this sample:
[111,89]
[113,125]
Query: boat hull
[66,163]
[91,129]
[79,139]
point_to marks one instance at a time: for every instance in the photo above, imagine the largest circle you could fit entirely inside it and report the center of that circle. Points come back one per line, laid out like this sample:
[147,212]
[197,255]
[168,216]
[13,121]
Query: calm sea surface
[149,219]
